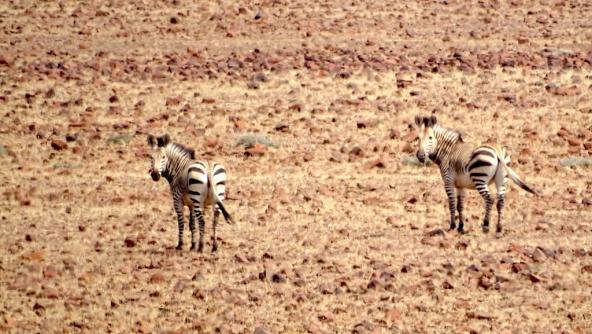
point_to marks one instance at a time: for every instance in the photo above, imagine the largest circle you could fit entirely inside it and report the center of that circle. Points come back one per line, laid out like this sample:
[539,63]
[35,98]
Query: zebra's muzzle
[155,176]
[420,157]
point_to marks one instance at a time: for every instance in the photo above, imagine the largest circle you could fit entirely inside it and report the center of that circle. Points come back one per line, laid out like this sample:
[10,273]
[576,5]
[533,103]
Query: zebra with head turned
[194,184]
[464,166]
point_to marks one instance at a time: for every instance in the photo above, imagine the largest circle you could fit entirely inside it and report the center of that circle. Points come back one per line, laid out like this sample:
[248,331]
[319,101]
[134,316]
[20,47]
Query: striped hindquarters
[197,183]
[482,166]
[218,180]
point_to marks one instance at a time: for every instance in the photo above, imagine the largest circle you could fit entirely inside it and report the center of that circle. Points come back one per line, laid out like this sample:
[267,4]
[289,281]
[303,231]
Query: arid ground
[338,229]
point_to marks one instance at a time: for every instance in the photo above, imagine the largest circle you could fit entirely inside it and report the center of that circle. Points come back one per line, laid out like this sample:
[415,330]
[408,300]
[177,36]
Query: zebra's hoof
[461,230]
[200,248]
[214,248]
[452,227]
[193,246]
[485,228]
[179,246]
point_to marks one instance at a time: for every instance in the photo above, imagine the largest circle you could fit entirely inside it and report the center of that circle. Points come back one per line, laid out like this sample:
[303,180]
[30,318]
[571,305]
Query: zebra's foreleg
[460,195]
[202,224]
[178,205]
[451,204]
[215,216]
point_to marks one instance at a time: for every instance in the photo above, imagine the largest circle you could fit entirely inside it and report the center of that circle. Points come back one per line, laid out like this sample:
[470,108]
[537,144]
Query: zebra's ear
[151,140]
[433,120]
[163,140]
[417,120]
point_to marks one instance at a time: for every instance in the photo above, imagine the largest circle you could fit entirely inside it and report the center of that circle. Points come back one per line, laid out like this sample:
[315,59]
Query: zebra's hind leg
[178,204]
[192,229]
[501,183]
[484,192]
[460,194]
[215,215]
[500,207]
[202,225]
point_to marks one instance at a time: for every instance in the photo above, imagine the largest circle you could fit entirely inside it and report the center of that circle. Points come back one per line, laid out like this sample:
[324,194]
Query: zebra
[194,184]
[464,166]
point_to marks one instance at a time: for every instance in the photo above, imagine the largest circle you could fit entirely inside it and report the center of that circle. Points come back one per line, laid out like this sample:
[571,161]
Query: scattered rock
[129,242]
[447,285]
[378,163]
[538,255]
[58,144]
[157,278]
[367,123]
[261,330]
[283,127]
[256,150]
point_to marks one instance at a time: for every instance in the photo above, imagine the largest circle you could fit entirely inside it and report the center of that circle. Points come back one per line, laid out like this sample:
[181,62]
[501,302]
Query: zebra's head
[158,155]
[427,139]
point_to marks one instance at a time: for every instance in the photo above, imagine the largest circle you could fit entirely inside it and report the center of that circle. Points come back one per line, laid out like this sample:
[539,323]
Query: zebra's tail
[218,201]
[504,160]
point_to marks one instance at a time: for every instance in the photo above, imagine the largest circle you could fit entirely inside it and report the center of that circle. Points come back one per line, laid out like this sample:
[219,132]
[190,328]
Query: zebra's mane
[460,134]
[183,150]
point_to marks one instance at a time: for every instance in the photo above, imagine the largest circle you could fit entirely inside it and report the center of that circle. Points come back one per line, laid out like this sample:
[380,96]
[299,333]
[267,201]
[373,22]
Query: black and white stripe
[463,166]
[193,184]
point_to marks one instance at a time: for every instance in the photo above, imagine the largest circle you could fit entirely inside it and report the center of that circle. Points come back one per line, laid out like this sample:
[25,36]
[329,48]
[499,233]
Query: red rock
[240,124]
[394,134]
[335,157]
[308,156]
[394,315]
[519,267]
[572,141]
[49,293]
[407,148]
[534,278]
[58,144]
[157,278]
[50,272]
[256,150]
[173,101]
[587,269]
[367,123]
[206,100]
[35,256]
[6,60]
[211,142]
[283,127]
[378,163]
[261,330]
[129,242]
[447,285]
[538,255]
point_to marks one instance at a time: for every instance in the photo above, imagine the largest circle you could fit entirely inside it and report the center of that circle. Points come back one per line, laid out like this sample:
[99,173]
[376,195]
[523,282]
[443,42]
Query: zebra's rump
[482,165]
[218,179]
[197,183]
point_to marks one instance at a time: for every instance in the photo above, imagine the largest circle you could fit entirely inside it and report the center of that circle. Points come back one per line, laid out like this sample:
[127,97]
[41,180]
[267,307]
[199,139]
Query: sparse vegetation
[576,162]
[250,139]
[341,229]
[119,139]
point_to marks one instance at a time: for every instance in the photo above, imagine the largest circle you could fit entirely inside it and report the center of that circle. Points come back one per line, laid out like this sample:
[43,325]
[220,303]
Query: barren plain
[338,229]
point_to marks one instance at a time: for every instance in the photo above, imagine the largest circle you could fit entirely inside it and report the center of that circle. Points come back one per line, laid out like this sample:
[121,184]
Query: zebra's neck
[446,140]
[177,161]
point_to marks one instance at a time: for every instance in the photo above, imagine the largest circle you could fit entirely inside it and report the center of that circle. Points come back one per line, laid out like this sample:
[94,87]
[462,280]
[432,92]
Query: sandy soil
[337,230]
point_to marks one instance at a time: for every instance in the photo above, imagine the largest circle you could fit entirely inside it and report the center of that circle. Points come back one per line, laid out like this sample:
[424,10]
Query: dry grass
[322,243]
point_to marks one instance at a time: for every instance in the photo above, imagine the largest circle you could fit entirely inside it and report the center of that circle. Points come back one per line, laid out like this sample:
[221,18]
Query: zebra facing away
[194,184]
[464,166]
